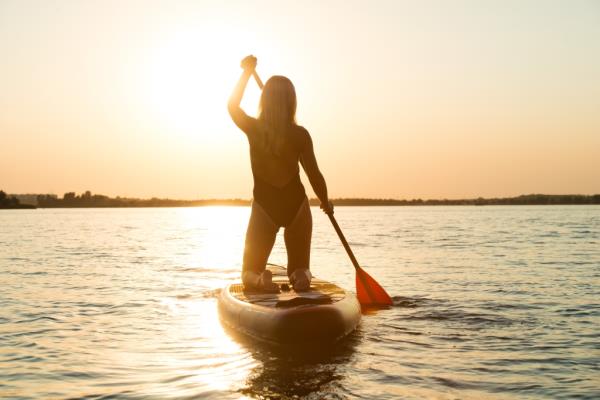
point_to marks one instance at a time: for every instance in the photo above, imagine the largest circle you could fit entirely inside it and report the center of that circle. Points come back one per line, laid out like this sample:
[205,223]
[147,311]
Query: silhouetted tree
[7,201]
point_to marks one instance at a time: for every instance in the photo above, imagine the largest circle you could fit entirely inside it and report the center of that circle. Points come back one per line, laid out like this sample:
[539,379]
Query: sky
[403,99]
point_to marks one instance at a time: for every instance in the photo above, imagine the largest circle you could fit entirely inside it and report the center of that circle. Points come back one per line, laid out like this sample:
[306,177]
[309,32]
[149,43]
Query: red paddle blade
[369,292]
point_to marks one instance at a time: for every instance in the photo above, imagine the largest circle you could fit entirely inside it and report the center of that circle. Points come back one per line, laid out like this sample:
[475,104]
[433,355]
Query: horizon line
[87,199]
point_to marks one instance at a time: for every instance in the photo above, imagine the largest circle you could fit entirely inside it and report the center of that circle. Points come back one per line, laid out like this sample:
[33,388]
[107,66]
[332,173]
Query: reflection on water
[492,302]
[296,370]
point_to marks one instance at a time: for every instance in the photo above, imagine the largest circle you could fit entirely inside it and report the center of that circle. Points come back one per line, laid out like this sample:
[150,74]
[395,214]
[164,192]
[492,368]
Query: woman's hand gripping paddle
[368,291]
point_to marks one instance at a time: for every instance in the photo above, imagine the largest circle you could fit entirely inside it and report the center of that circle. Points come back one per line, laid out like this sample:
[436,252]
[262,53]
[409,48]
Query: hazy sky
[431,99]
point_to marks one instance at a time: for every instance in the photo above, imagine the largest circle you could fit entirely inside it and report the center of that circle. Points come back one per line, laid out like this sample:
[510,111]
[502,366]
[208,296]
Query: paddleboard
[325,313]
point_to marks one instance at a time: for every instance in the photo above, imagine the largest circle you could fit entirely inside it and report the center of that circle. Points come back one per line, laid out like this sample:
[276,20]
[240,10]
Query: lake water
[490,302]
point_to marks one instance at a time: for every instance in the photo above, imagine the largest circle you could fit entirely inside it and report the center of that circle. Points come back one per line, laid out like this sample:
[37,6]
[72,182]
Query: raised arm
[315,177]
[241,119]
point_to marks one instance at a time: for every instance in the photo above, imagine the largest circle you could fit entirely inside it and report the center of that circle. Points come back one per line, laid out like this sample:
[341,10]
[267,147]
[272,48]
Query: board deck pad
[321,292]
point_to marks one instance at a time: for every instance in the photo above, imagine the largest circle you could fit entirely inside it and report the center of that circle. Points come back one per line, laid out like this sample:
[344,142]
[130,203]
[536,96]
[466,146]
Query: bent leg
[297,241]
[260,237]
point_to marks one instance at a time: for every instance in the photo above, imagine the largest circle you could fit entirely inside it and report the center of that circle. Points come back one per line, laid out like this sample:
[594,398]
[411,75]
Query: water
[490,302]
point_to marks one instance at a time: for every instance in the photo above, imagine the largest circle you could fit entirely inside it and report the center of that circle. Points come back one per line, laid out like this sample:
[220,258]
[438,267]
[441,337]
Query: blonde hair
[277,112]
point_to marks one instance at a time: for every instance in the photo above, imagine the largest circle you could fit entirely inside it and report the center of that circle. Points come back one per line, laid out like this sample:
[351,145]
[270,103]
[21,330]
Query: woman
[277,145]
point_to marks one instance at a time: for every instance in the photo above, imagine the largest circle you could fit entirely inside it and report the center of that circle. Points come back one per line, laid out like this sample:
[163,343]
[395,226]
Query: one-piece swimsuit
[280,203]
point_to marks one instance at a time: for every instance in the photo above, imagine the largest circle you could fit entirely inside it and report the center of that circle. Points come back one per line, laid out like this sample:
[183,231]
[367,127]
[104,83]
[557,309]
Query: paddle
[368,291]
[257,79]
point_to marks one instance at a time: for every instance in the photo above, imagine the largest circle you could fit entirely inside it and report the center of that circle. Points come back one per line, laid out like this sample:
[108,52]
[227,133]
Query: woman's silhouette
[277,145]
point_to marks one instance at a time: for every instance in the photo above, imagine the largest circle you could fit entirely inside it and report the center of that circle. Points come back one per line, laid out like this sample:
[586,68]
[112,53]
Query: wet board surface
[321,292]
[326,312]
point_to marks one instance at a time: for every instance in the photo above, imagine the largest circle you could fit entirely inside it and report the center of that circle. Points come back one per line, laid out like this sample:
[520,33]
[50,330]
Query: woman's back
[277,169]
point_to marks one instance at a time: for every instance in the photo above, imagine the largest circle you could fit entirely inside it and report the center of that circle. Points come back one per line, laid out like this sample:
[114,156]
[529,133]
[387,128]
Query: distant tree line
[87,199]
[7,201]
[529,199]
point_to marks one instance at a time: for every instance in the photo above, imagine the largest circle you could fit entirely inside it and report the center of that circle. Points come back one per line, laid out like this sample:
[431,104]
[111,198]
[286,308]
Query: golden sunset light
[129,98]
[319,199]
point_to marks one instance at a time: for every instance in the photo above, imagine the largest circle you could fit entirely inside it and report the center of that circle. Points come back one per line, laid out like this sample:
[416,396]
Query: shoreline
[99,201]
[19,207]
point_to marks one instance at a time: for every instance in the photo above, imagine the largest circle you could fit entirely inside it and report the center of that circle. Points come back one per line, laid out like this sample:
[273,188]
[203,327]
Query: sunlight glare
[218,239]
[197,321]
[189,78]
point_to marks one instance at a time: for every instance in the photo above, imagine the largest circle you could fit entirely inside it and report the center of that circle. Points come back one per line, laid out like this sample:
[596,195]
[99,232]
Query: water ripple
[494,303]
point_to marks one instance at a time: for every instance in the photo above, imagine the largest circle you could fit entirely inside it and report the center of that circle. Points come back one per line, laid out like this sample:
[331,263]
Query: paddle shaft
[360,273]
[258,81]
[343,240]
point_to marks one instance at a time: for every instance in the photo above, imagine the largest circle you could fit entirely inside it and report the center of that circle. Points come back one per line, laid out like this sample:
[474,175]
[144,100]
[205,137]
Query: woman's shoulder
[302,134]
[302,137]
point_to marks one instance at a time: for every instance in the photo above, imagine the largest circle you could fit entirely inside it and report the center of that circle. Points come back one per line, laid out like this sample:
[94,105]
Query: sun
[189,77]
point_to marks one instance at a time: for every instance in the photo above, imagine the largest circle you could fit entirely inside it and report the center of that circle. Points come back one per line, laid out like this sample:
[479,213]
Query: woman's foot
[261,282]
[300,280]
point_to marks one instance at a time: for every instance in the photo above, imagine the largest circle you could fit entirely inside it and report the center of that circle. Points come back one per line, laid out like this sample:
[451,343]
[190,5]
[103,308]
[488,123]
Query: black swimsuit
[280,203]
